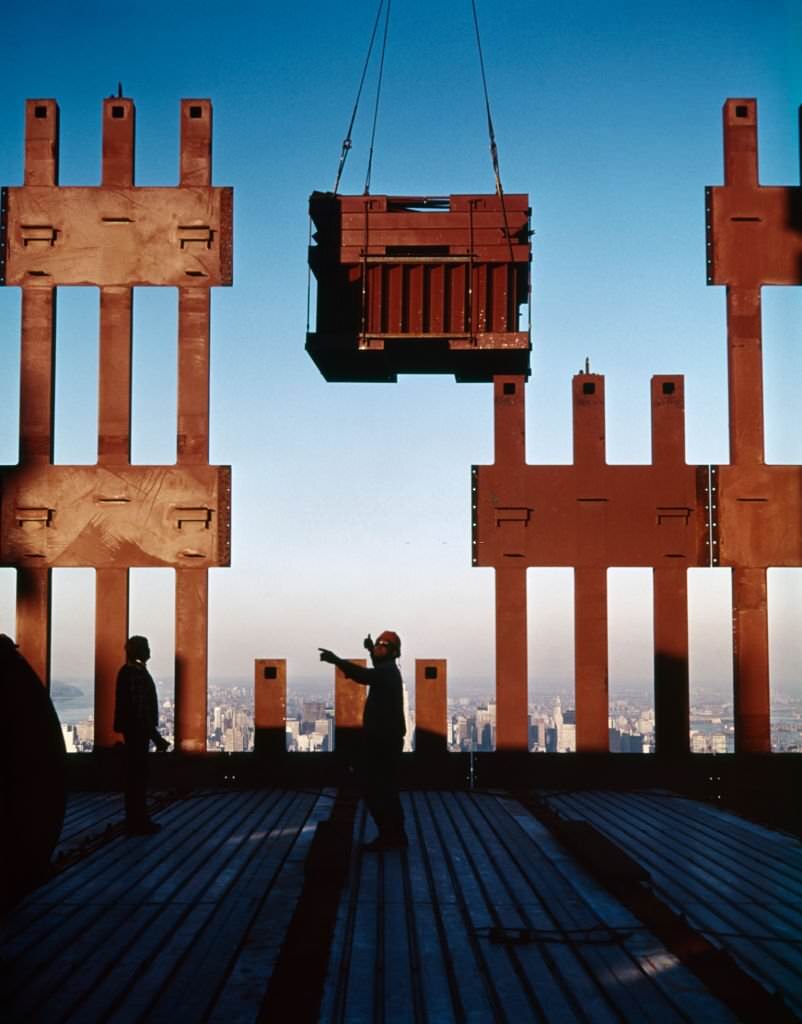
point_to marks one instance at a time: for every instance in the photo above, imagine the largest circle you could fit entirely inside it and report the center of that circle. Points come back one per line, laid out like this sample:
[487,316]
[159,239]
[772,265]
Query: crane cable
[378,95]
[346,146]
[491,132]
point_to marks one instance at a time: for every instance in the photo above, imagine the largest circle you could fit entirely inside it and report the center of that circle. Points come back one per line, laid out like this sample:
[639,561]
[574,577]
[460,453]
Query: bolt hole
[509,388]
[271,672]
[430,672]
[589,388]
[40,111]
[196,112]
[669,387]
[741,110]
[117,111]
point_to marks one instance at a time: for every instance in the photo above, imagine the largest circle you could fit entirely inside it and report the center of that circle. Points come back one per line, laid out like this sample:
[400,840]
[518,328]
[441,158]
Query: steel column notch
[754,238]
[114,515]
[591,516]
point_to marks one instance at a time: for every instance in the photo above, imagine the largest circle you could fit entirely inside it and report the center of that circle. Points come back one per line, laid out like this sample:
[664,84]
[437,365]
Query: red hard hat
[391,639]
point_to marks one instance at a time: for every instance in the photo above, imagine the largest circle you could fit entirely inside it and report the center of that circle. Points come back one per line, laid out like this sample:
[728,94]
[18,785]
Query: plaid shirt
[136,709]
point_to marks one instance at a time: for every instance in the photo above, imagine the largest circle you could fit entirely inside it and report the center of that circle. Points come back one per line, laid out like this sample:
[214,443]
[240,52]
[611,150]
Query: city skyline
[351,503]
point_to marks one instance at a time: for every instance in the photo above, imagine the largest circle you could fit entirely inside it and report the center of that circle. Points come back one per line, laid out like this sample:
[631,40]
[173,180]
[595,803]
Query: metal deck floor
[483,918]
[738,884]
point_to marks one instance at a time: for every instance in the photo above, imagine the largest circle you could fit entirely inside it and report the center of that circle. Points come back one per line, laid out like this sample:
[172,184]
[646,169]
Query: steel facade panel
[118,236]
[115,517]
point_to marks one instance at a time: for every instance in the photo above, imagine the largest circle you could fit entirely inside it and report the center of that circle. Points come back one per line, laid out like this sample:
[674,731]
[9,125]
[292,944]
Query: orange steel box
[420,284]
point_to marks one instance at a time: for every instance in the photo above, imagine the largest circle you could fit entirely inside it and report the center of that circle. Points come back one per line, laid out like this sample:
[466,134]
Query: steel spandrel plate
[755,235]
[104,236]
[564,516]
[103,517]
[759,516]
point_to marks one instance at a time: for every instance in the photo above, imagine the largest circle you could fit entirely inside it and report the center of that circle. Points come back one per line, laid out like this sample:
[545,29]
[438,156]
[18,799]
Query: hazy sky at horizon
[351,503]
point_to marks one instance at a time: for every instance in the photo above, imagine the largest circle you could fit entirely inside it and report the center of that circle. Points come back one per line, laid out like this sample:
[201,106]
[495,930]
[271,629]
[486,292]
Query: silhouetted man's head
[137,648]
[387,646]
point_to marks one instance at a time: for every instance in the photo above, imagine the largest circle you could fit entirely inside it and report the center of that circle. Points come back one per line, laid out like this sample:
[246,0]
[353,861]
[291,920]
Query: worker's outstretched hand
[328,656]
[367,643]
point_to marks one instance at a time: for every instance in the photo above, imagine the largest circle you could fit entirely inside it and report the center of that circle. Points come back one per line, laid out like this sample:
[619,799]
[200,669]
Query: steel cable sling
[346,146]
[491,132]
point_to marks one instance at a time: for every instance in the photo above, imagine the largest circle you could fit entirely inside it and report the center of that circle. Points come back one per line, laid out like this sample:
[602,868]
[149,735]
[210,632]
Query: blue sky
[351,502]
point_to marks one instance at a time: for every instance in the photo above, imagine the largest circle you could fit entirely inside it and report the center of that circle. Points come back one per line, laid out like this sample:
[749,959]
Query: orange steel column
[590,579]
[745,393]
[349,706]
[191,588]
[590,659]
[114,424]
[430,706]
[270,706]
[671,681]
[512,721]
[37,388]
[750,632]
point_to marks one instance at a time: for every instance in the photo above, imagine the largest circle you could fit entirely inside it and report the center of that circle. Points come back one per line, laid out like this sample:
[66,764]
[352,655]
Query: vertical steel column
[37,388]
[191,646]
[512,721]
[191,586]
[590,580]
[745,386]
[590,659]
[750,633]
[114,424]
[671,698]
[670,583]
[431,712]
[270,706]
[750,662]
[349,707]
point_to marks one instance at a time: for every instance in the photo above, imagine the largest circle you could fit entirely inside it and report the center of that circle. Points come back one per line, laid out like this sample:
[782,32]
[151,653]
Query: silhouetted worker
[32,777]
[383,729]
[136,716]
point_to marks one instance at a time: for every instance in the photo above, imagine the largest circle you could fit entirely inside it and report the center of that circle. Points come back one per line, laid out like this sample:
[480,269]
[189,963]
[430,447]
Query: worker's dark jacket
[384,708]
[136,710]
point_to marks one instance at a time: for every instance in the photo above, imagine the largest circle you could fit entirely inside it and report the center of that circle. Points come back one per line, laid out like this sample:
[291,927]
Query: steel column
[270,706]
[111,631]
[349,699]
[191,642]
[191,585]
[114,449]
[114,423]
[670,582]
[349,707]
[590,660]
[512,684]
[745,375]
[431,706]
[37,396]
[750,641]
[512,690]
[671,697]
